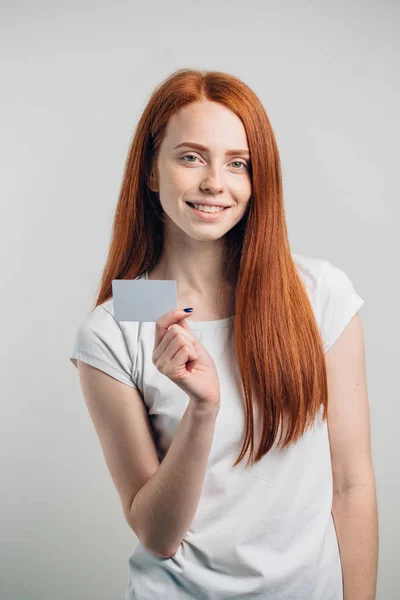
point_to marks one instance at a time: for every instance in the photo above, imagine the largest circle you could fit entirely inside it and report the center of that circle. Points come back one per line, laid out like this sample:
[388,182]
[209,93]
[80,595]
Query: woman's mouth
[207,216]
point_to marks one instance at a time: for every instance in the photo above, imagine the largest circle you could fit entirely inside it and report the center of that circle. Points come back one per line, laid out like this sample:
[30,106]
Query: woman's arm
[356,520]
[354,506]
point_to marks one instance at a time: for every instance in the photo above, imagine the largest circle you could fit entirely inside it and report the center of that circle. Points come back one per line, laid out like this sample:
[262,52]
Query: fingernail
[188,309]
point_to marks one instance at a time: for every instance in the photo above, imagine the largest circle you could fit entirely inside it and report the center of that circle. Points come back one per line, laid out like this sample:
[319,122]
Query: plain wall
[75,78]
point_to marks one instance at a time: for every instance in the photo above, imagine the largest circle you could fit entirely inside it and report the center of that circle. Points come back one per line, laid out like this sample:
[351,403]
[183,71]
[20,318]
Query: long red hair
[278,343]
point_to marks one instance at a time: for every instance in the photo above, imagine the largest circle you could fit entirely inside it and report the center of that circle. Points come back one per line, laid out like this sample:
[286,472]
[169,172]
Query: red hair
[278,343]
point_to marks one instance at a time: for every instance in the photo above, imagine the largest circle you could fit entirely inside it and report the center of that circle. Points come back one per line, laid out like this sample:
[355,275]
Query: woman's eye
[240,163]
[235,161]
[186,155]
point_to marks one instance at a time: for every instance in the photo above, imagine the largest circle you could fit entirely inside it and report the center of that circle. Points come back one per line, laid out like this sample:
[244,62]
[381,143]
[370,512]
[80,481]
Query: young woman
[273,336]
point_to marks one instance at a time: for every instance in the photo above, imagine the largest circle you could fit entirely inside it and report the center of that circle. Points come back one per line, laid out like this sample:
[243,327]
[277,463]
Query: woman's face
[191,174]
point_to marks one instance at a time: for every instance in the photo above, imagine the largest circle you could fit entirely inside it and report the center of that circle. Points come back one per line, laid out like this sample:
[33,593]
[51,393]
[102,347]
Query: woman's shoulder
[332,294]
[310,269]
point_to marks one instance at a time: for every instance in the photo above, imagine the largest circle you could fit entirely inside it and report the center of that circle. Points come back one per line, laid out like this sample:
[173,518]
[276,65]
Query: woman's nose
[212,182]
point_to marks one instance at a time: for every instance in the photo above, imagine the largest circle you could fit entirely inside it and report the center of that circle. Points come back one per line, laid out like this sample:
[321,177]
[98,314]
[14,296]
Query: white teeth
[206,208]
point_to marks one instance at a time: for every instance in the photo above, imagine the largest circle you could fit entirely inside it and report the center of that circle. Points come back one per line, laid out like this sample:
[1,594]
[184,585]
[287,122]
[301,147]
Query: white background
[75,78]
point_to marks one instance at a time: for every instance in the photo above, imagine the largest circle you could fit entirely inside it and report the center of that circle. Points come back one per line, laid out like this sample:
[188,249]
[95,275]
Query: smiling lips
[207,215]
[197,205]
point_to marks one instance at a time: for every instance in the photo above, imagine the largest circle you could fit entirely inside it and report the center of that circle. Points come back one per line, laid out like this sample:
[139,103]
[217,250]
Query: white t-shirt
[259,532]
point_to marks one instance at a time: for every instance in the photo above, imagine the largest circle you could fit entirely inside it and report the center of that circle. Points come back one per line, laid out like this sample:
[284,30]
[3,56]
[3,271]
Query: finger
[175,332]
[183,323]
[177,354]
[164,323]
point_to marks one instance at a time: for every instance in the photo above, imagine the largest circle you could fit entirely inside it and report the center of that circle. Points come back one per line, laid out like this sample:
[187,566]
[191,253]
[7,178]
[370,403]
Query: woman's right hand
[178,354]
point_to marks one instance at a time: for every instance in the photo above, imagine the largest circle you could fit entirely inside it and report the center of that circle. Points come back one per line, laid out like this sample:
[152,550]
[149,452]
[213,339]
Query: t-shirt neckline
[200,325]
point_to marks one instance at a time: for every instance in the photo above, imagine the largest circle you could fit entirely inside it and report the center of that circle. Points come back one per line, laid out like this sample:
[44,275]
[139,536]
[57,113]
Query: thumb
[184,325]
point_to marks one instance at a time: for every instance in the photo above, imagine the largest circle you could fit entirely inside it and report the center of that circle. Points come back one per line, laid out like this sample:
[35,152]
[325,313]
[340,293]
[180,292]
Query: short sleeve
[338,302]
[100,342]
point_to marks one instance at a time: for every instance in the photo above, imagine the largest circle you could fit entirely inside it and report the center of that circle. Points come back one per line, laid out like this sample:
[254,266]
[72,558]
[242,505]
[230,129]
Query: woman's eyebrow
[205,149]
